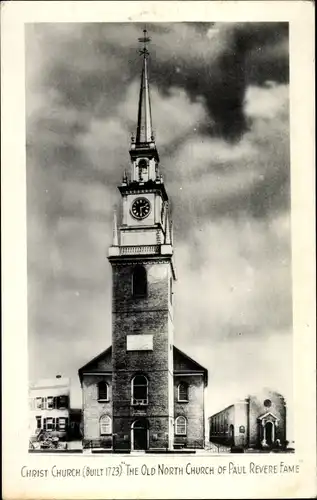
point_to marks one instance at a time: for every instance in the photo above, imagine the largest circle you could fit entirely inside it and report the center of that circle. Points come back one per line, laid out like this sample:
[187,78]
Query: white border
[300,14]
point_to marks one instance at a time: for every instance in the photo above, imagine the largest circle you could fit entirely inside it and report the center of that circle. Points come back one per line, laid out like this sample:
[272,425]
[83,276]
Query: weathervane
[145,39]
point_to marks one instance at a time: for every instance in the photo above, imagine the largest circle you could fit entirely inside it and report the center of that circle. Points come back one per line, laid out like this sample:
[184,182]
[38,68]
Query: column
[263,442]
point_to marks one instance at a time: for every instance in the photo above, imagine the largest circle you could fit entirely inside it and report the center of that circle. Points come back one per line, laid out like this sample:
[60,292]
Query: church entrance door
[139,435]
[269,433]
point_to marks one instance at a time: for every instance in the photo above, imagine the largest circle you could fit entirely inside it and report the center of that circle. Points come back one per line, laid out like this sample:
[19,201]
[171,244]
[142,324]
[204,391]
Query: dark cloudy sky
[220,104]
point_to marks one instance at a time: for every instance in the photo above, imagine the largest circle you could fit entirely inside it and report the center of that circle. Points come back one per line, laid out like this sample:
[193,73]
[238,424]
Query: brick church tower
[141,257]
[142,393]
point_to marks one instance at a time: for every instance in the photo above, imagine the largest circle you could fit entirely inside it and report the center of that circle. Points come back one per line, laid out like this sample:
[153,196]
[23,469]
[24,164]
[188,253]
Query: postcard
[158,256]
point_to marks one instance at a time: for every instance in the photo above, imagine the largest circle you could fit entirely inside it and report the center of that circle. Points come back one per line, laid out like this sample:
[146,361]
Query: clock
[141,208]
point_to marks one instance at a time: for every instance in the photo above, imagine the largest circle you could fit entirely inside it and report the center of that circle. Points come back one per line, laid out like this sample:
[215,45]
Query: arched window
[182,391]
[139,281]
[103,391]
[105,425]
[180,426]
[139,392]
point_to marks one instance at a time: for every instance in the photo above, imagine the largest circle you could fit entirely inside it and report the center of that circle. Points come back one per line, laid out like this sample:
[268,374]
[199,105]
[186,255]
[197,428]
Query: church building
[142,392]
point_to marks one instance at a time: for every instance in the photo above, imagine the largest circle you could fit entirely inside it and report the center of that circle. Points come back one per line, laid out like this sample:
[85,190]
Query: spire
[144,132]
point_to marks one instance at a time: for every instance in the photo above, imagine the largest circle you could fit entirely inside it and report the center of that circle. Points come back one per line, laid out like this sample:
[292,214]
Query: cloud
[213,178]
[267,103]
[175,116]
[92,64]
[235,276]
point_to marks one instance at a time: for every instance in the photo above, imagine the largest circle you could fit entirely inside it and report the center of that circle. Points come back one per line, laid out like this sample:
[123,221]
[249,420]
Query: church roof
[102,362]
[182,364]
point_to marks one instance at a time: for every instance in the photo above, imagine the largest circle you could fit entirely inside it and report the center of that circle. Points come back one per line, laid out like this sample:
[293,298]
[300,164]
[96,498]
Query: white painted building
[49,402]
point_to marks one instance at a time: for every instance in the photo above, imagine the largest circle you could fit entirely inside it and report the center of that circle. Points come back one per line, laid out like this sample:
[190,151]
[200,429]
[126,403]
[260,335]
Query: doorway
[139,435]
[269,433]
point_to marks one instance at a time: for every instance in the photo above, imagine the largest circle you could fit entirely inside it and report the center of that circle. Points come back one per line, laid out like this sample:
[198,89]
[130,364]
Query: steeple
[144,132]
[143,143]
[145,220]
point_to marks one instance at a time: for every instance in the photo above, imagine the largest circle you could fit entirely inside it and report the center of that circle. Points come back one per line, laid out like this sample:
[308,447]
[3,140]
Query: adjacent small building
[258,421]
[49,401]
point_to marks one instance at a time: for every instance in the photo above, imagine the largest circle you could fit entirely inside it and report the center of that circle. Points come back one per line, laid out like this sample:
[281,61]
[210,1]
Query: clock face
[141,208]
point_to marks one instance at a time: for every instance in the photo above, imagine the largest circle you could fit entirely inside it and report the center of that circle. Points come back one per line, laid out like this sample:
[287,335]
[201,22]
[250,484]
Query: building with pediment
[258,421]
[143,393]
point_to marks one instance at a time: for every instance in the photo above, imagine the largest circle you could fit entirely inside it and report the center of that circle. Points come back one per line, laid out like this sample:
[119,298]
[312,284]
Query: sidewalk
[75,445]
[216,448]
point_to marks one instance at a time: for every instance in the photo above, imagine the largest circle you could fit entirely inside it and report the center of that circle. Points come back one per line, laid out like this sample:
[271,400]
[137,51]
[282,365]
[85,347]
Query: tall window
[139,282]
[182,391]
[103,391]
[49,424]
[171,290]
[181,426]
[105,425]
[139,390]
[53,423]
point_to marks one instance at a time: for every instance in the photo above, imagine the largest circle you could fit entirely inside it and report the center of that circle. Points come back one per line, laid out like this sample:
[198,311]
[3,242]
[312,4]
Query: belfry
[142,393]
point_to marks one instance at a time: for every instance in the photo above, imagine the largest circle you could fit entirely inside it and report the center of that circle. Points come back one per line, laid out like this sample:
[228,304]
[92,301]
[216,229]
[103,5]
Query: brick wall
[150,315]
[222,426]
[193,411]
[93,409]
[158,273]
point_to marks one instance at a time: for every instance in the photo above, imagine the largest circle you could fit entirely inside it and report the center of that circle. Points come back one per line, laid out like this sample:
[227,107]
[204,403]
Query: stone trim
[187,374]
[156,258]
[97,373]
